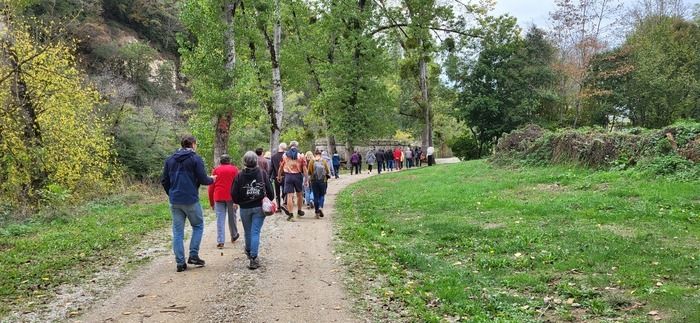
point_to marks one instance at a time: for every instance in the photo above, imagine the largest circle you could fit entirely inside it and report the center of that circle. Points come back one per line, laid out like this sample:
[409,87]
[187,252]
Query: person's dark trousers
[336,168]
[410,162]
[369,167]
[355,169]
[431,160]
[319,189]
[417,162]
[278,191]
[379,167]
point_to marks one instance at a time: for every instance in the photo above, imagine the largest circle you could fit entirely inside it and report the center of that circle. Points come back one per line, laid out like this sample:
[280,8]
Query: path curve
[300,279]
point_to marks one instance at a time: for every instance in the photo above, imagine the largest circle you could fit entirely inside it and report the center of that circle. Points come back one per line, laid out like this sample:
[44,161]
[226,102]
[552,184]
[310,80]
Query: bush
[674,150]
[465,147]
[143,141]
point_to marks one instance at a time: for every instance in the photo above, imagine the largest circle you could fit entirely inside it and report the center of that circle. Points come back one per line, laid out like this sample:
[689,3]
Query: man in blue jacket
[182,175]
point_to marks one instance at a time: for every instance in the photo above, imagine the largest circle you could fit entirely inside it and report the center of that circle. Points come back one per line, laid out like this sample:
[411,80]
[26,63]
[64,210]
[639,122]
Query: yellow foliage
[403,136]
[73,150]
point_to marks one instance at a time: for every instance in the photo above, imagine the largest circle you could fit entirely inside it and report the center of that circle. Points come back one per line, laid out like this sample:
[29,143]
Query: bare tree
[581,29]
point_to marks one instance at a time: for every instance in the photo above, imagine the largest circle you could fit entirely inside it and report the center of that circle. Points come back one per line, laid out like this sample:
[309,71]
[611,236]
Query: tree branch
[409,115]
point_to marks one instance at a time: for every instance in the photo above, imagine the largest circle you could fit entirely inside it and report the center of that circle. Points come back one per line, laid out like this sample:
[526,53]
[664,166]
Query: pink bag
[269,207]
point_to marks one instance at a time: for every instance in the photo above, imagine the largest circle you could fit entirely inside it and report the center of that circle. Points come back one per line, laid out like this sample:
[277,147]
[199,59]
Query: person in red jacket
[397,158]
[221,202]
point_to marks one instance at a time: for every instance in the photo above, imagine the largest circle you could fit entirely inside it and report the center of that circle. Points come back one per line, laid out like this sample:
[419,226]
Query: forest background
[95,94]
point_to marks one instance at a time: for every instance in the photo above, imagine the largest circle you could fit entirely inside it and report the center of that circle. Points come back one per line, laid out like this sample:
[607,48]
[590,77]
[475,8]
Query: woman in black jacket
[248,190]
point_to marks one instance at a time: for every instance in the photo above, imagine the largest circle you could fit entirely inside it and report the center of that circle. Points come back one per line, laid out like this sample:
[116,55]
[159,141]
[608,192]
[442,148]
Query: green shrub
[465,147]
[143,141]
[673,151]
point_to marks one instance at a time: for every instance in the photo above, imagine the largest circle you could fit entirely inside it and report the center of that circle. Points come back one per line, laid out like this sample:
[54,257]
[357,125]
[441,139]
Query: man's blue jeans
[253,220]
[223,209]
[193,212]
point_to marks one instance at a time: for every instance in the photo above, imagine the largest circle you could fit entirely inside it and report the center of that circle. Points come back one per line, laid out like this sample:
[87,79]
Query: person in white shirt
[431,156]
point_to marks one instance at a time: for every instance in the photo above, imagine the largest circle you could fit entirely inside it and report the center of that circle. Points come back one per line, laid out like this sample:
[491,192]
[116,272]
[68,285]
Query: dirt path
[299,281]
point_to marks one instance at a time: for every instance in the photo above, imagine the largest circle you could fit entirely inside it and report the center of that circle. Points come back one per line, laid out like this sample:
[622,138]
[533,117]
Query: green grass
[482,243]
[43,253]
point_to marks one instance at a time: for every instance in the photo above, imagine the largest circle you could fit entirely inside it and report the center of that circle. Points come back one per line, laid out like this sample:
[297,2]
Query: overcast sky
[537,11]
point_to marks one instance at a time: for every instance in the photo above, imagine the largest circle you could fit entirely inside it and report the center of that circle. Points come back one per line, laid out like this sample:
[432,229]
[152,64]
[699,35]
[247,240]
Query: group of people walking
[392,159]
[281,177]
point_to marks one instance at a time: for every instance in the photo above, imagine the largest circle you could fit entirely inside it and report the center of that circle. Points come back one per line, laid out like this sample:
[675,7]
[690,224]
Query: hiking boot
[254,264]
[220,246]
[233,239]
[300,213]
[247,254]
[181,268]
[317,215]
[196,261]
[320,213]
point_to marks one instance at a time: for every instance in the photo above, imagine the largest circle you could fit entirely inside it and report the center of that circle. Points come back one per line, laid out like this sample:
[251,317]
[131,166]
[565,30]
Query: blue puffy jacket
[183,173]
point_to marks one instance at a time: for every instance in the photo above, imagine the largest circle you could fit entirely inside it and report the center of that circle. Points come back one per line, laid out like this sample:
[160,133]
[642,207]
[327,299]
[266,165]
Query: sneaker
[320,213]
[317,215]
[181,268]
[220,246]
[254,264]
[290,217]
[196,261]
[300,213]
[233,239]
[247,254]
[284,209]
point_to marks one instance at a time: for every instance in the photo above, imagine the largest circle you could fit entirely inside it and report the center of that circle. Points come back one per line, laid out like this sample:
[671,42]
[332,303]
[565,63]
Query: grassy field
[39,255]
[473,242]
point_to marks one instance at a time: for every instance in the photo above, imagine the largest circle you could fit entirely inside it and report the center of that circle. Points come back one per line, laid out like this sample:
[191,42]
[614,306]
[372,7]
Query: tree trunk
[425,102]
[331,144]
[223,120]
[277,94]
[221,137]
[27,113]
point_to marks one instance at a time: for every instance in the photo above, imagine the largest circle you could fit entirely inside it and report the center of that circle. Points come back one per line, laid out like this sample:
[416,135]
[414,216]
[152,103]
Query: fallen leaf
[653,313]
[570,301]
[659,284]
[126,313]
[518,255]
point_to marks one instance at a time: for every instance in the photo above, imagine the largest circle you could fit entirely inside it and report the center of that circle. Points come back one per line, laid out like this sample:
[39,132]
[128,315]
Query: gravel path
[299,281]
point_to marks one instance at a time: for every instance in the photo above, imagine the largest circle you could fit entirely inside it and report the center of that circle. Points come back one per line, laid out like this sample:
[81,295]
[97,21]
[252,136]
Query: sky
[537,11]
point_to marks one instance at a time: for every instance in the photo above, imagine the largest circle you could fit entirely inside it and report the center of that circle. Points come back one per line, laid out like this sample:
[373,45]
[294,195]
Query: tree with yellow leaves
[51,141]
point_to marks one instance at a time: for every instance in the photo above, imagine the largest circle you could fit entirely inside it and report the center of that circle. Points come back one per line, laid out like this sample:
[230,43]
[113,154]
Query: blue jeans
[390,164]
[253,220]
[319,189]
[222,209]
[308,195]
[193,212]
[336,170]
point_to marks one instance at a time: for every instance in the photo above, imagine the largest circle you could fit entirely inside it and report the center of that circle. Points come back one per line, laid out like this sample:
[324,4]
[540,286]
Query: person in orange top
[293,168]
[221,202]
